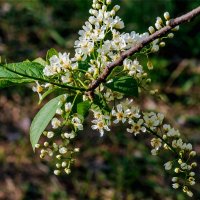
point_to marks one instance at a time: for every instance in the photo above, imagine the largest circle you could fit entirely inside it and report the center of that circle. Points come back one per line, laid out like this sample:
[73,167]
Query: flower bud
[159,20]
[116,8]
[149,65]
[176,28]
[189,193]
[177,170]
[180,161]
[98,6]
[151,29]
[56,172]
[46,144]
[58,165]
[112,13]
[108,2]
[64,164]
[193,153]
[192,174]
[170,35]
[104,8]
[175,185]
[194,164]
[37,146]
[166,15]
[174,179]
[67,170]
[162,44]
[50,134]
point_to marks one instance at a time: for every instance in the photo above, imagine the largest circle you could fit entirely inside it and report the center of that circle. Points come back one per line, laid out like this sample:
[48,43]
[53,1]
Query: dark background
[117,166]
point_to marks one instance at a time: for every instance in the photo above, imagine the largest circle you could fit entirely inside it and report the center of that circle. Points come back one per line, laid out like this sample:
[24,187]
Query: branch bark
[158,34]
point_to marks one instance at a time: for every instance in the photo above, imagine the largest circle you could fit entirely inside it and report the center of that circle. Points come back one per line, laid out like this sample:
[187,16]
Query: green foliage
[42,119]
[83,108]
[126,85]
[51,52]
[17,73]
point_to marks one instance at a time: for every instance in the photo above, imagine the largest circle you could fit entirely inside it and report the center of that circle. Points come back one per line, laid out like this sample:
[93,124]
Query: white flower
[175,185]
[63,150]
[69,135]
[59,111]
[55,123]
[77,123]
[136,127]
[68,107]
[168,165]
[156,143]
[99,125]
[38,88]
[151,121]
[120,114]
[50,134]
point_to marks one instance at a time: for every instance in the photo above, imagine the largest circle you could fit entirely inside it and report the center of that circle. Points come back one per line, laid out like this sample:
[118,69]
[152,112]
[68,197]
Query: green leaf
[55,90]
[126,85]
[98,102]
[83,108]
[42,119]
[51,52]
[8,78]
[40,61]
[26,69]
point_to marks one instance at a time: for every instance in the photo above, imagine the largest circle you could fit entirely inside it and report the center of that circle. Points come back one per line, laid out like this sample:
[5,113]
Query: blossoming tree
[102,77]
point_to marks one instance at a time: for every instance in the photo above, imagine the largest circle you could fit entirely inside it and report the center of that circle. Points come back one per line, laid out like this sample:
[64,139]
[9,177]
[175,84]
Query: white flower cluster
[59,148]
[99,44]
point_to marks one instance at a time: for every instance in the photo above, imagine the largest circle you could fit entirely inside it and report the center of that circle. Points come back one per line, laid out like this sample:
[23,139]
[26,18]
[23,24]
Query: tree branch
[158,34]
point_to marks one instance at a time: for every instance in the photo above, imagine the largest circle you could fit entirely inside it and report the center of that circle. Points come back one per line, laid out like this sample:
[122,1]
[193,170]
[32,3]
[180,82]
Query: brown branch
[158,34]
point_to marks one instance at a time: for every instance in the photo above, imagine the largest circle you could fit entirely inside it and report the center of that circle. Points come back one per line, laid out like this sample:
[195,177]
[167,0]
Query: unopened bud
[56,172]
[162,44]
[151,29]
[170,35]
[116,8]
[193,153]
[67,170]
[166,15]
[177,170]
[108,2]
[176,28]
[149,65]
[194,164]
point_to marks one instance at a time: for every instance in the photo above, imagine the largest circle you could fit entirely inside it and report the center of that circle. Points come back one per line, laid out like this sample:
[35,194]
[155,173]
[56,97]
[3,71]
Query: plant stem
[164,141]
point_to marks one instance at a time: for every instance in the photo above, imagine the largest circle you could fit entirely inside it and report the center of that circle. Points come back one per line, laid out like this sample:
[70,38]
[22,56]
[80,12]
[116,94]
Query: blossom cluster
[100,42]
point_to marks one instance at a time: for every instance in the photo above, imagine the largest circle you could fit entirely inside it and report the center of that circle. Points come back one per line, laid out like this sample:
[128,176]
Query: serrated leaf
[42,119]
[8,78]
[126,85]
[51,52]
[26,69]
[83,108]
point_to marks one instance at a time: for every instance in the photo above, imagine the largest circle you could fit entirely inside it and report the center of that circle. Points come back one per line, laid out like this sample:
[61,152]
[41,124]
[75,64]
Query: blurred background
[117,166]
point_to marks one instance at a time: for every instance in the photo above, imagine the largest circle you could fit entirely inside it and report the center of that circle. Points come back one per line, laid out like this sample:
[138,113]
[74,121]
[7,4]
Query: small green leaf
[40,61]
[126,85]
[83,108]
[42,119]
[51,52]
